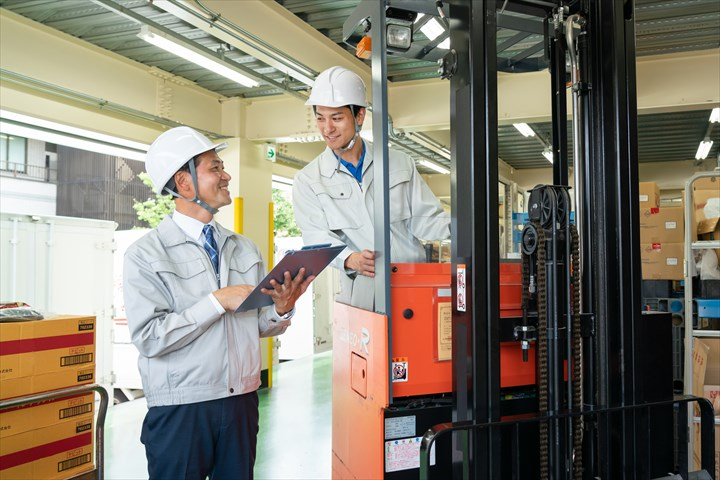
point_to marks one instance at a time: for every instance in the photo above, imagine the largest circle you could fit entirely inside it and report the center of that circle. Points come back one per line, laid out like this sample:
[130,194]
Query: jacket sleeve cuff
[219,308]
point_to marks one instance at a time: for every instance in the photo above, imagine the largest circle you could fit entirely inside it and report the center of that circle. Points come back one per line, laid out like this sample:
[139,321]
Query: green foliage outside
[285,225]
[153,210]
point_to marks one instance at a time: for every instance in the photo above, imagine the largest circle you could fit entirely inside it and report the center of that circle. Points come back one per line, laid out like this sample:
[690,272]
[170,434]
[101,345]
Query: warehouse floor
[295,426]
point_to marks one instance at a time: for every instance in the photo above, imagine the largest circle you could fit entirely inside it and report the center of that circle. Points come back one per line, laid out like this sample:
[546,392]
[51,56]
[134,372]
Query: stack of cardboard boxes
[662,236]
[706,383]
[706,226]
[706,350]
[49,439]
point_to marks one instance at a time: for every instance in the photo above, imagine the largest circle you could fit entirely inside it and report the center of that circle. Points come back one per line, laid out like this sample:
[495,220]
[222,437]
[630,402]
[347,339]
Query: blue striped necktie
[211,246]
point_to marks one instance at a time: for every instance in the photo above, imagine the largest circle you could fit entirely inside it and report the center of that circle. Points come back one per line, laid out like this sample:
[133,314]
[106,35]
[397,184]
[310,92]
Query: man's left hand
[286,294]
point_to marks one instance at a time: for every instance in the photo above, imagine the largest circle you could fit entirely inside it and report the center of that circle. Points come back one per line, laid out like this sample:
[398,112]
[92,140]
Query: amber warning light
[364,48]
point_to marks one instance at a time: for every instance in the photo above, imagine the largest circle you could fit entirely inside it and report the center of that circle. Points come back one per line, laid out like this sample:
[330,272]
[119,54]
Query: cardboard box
[705,207]
[707,183]
[16,420]
[706,371]
[44,382]
[709,229]
[54,452]
[649,195]
[662,261]
[712,393]
[662,225]
[39,347]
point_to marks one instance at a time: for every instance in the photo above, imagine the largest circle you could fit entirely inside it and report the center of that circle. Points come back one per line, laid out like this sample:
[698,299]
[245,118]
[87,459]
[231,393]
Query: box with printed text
[16,420]
[662,225]
[40,355]
[662,261]
[58,451]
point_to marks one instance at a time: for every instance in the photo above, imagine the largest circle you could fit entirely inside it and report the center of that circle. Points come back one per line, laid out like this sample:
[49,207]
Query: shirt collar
[191,226]
[356,171]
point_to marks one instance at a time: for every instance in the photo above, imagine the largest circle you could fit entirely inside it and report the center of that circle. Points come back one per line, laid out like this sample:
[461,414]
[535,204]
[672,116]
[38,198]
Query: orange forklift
[543,367]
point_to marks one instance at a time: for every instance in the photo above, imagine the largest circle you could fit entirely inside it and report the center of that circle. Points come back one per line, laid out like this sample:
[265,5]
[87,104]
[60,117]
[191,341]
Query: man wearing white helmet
[199,360]
[333,195]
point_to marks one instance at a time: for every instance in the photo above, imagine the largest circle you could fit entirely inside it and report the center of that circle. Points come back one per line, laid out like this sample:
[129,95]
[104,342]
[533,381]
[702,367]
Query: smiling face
[336,125]
[213,182]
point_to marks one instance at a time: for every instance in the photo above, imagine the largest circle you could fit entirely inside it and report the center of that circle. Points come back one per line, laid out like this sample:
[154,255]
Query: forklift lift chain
[536,235]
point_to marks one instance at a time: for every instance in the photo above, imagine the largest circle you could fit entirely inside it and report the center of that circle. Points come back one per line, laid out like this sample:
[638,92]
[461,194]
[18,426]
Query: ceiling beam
[664,85]
[273,25]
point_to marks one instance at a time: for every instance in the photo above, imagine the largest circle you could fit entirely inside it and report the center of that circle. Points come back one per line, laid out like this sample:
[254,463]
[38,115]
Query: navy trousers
[215,439]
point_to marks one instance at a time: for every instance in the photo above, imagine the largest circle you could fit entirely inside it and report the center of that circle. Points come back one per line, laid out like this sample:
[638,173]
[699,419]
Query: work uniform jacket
[332,207]
[188,352]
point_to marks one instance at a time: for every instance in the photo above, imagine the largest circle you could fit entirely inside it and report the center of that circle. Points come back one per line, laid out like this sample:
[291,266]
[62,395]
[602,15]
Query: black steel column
[613,267]
[474,184]
[558,79]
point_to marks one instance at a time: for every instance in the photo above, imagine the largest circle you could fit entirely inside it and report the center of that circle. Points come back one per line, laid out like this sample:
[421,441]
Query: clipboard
[313,257]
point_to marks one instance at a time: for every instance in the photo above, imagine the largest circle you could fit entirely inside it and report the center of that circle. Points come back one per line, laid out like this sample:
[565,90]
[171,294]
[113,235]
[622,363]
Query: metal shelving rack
[690,332]
[690,247]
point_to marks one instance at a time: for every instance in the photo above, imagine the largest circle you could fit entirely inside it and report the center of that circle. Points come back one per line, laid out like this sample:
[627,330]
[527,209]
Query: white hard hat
[173,149]
[338,87]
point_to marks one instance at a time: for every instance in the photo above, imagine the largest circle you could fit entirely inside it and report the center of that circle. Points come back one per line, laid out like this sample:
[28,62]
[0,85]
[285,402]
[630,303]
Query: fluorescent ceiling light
[79,132]
[704,149]
[51,132]
[525,129]
[195,55]
[68,141]
[715,115]
[241,39]
[434,166]
[548,154]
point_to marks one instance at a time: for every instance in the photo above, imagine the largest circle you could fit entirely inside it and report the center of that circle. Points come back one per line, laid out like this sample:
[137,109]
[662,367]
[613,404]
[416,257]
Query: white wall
[29,197]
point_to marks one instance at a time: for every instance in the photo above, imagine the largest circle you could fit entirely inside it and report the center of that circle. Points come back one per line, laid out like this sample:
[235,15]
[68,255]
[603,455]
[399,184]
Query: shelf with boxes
[702,284]
[662,236]
[47,399]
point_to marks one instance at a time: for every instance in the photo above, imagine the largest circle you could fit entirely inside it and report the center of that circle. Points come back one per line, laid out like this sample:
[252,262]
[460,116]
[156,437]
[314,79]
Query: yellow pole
[271,264]
[239,219]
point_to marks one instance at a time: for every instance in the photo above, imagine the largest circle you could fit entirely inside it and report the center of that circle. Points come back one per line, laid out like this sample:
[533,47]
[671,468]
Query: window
[13,153]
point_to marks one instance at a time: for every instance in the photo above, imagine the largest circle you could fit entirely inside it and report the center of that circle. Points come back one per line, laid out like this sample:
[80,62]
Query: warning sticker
[404,454]
[400,369]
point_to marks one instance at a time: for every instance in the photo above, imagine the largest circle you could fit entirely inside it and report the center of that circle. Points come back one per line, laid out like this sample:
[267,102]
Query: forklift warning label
[404,454]
[461,288]
[400,369]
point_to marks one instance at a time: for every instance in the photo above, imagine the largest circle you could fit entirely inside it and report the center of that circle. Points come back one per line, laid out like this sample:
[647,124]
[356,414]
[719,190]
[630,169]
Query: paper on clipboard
[313,257]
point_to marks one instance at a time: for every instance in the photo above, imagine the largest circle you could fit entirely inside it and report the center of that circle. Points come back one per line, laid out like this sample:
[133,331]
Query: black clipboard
[313,257]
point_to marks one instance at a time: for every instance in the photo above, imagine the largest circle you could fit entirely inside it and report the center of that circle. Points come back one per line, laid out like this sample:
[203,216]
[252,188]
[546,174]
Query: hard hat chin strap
[196,199]
[350,145]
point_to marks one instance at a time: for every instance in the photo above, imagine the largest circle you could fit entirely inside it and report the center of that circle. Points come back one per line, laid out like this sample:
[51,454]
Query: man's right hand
[362,262]
[231,297]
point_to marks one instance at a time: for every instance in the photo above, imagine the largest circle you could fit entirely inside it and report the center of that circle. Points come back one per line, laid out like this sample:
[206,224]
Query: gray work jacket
[332,207]
[188,352]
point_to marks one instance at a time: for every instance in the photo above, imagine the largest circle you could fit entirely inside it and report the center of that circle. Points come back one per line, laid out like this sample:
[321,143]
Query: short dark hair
[354,109]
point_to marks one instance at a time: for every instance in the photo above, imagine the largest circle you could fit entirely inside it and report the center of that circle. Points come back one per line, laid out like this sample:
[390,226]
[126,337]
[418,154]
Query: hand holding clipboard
[314,258]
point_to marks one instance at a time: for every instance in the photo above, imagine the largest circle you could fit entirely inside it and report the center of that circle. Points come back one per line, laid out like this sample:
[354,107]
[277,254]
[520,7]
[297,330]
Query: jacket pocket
[399,185]
[241,264]
[184,279]
[182,270]
[338,204]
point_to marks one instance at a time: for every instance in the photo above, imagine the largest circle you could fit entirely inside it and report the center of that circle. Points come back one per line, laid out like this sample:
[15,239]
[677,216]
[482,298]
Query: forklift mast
[596,375]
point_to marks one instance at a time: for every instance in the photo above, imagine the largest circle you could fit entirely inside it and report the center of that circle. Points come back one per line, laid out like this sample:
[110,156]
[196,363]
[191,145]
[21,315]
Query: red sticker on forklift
[461,288]
[400,369]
